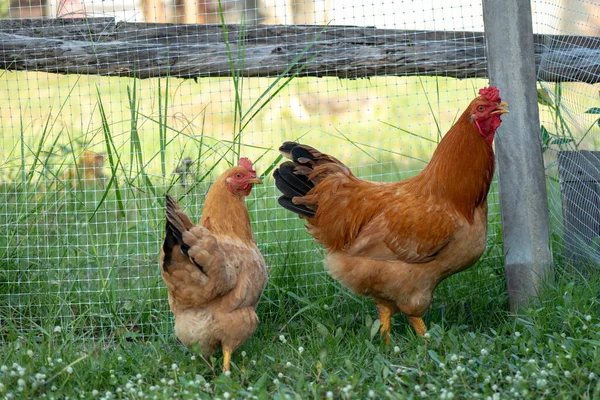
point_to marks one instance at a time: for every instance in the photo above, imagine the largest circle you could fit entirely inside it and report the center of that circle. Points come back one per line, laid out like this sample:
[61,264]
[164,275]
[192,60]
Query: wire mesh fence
[85,160]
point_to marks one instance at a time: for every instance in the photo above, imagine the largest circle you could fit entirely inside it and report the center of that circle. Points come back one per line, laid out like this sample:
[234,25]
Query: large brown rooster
[395,242]
[213,271]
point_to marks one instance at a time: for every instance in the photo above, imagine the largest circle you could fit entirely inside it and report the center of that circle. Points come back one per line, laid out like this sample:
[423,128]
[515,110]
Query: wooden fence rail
[101,46]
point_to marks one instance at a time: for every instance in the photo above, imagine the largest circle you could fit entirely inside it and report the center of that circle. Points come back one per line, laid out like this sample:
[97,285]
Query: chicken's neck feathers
[460,170]
[225,213]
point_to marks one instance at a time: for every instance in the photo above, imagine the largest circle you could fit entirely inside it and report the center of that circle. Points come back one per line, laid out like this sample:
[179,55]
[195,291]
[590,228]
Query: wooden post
[523,200]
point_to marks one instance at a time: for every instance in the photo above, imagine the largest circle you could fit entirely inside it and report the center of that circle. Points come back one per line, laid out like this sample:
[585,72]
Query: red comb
[246,163]
[491,93]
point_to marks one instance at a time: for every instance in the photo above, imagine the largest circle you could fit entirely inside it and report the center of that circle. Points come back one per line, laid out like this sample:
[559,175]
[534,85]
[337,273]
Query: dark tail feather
[290,184]
[287,203]
[174,229]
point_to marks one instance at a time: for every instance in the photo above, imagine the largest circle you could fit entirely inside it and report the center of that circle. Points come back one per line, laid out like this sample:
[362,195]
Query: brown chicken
[89,168]
[395,242]
[214,272]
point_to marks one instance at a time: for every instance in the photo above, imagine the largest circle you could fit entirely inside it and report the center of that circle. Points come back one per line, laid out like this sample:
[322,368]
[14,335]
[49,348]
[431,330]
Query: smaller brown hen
[214,272]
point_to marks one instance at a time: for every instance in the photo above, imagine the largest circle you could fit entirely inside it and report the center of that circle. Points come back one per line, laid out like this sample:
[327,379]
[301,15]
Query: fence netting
[85,160]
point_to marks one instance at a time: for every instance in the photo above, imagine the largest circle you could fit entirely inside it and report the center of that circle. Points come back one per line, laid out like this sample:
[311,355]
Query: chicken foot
[418,324]
[227,350]
[385,310]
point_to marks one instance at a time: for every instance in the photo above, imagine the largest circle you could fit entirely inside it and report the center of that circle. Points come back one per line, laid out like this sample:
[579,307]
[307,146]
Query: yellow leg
[418,324]
[226,358]
[385,318]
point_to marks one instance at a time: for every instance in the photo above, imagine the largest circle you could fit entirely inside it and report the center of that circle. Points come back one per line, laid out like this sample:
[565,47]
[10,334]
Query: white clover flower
[584,327]
[140,394]
[484,352]
[417,388]
[541,383]
[563,335]
[193,357]
[567,374]
[517,334]
[70,369]
[423,394]
[108,394]
[119,358]
[329,395]
[453,357]
[275,381]
[40,377]
[531,361]
[549,365]
[226,395]
[442,365]
[280,375]
[396,349]
[544,372]
[427,335]
[207,385]
[54,388]
[288,364]
[21,382]
[592,376]
[163,381]
[253,362]
[250,388]
[30,353]
[4,369]
[371,394]
[300,350]
[170,382]
[243,354]
[57,329]
[174,367]
[588,318]
[227,373]
[1,387]
[95,393]
[494,387]
[282,339]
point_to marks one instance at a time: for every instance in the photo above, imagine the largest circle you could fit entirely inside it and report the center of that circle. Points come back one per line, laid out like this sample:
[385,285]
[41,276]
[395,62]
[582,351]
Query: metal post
[523,198]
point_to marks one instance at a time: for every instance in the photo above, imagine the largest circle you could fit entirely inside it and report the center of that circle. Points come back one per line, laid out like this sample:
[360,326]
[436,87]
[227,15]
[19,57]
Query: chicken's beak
[501,108]
[256,180]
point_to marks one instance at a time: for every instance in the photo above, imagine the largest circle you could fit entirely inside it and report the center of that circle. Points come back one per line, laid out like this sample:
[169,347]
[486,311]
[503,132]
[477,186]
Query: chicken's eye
[238,176]
[480,108]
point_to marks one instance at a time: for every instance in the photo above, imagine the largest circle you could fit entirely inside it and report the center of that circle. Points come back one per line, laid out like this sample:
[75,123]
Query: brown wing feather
[380,221]
[194,269]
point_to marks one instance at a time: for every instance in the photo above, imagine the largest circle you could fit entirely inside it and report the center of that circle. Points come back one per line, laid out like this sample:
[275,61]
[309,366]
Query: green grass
[331,347]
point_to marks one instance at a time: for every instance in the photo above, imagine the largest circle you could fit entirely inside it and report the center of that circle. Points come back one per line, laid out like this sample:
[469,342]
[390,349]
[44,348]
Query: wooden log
[100,46]
[579,173]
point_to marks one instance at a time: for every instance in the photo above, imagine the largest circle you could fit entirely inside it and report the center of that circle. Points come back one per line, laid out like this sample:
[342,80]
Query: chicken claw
[418,324]
[226,358]
[385,318]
